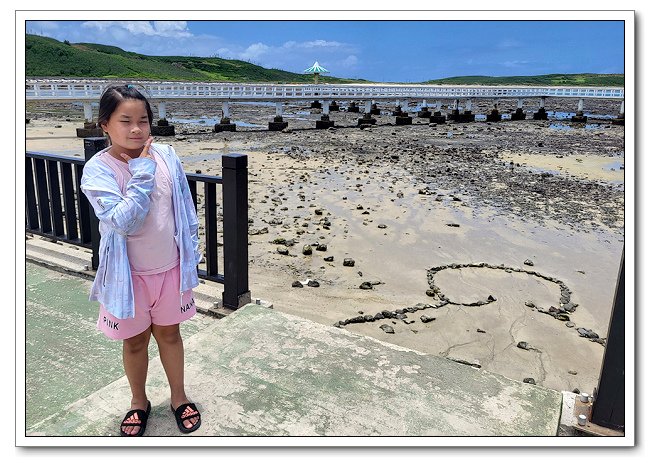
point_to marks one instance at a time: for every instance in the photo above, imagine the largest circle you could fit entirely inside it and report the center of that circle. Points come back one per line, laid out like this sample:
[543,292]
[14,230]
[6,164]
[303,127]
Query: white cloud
[515,63]
[319,43]
[148,28]
[254,51]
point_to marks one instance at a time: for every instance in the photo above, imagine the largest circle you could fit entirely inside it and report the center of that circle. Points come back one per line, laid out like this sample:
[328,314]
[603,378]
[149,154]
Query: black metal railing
[56,209]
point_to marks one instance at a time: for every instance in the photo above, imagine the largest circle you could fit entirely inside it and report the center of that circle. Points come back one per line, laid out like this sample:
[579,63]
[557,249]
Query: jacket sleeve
[124,213]
[190,210]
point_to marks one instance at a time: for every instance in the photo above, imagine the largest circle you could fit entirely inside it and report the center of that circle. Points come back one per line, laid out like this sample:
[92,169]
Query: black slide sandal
[178,414]
[143,416]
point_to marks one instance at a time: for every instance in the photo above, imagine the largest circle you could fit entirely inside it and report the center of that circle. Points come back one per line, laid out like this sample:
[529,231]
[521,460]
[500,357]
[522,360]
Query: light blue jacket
[121,215]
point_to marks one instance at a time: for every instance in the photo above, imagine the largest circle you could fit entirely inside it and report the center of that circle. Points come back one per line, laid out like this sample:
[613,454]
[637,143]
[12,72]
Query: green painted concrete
[260,372]
[67,358]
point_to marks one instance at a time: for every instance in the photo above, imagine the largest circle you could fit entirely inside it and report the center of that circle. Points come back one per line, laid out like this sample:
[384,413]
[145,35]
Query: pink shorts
[157,301]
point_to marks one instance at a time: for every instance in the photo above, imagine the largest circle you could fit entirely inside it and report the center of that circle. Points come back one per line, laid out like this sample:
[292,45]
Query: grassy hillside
[46,57]
[584,79]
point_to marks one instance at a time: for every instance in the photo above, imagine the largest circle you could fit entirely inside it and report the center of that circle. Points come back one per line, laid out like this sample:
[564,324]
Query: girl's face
[128,126]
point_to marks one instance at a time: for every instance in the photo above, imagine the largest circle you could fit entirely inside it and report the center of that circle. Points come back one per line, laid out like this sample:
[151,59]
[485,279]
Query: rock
[573,372]
[329,259]
[321,247]
[480,330]
[279,241]
[348,262]
[366,286]
[426,319]
[381,226]
[588,333]
[529,263]
[491,299]
[283,250]
[261,231]
[530,304]
[569,307]
[524,345]
[306,250]
[529,380]
[313,283]
[570,324]
[296,284]
[387,329]
[452,224]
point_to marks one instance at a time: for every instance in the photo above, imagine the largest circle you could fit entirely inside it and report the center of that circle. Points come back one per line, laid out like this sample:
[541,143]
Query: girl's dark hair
[113,96]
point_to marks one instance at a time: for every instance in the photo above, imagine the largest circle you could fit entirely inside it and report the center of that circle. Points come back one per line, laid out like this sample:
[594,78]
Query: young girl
[149,250]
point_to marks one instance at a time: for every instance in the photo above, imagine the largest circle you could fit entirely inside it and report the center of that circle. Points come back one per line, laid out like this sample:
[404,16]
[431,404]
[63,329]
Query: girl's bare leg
[170,344]
[135,356]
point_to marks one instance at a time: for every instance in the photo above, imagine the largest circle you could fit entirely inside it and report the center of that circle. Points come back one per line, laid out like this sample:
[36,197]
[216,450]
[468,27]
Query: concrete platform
[260,372]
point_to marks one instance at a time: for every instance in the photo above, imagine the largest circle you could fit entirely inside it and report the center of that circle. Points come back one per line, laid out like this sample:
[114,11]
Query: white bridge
[91,90]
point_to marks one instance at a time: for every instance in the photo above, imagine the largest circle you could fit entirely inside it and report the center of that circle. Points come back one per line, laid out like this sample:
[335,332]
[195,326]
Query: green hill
[46,57]
[583,79]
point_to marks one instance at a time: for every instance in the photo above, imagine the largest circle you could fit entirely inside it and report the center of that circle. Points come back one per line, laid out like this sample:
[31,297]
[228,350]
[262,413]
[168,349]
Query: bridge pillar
[398,109]
[278,124]
[367,116]
[316,105]
[374,110]
[467,115]
[353,107]
[437,116]
[334,107]
[325,121]
[424,110]
[519,113]
[224,124]
[541,113]
[620,120]
[453,116]
[579,117]
[88,112]
[401,117]
[494,115]
[90,128]
[162,127]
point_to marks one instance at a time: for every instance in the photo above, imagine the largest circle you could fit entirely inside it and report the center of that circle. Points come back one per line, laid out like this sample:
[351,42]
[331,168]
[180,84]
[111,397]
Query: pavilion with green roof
[316,70]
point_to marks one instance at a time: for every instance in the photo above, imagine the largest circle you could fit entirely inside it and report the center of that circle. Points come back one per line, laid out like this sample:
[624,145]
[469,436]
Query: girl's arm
[190,210]
[124,213]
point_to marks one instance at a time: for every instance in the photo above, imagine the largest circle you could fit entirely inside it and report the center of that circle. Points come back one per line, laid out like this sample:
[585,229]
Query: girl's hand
[145,151]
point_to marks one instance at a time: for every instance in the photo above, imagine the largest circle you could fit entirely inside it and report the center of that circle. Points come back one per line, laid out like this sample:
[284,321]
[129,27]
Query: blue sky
[390,51]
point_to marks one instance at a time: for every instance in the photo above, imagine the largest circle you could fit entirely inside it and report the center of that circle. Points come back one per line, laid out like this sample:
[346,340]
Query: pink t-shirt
[152,249]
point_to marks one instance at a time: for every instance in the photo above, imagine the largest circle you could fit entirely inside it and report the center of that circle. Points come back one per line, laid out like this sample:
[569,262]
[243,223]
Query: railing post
[609,399]
[91,147]
[235,230]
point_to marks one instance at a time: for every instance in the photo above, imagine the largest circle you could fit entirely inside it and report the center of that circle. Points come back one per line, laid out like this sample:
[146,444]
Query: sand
[445,195]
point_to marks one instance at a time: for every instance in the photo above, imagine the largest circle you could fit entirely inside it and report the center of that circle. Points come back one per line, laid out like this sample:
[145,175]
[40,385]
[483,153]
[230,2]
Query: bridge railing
[92,90]
[56,208]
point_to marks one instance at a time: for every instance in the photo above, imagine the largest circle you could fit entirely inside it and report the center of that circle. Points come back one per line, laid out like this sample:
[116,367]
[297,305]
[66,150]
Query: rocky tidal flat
[360,217]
